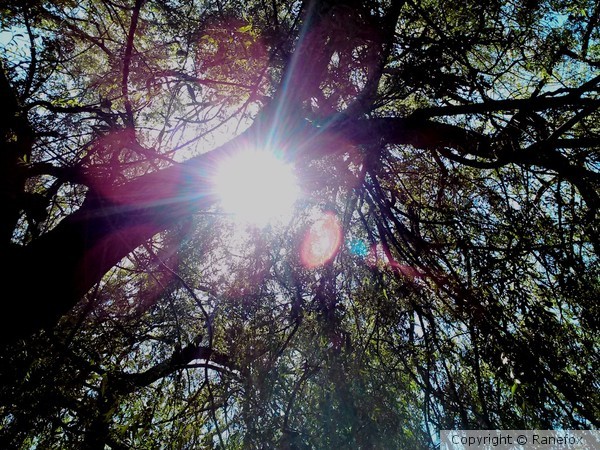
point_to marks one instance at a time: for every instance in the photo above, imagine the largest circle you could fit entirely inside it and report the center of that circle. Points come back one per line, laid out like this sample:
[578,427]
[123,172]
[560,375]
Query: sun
[256,187]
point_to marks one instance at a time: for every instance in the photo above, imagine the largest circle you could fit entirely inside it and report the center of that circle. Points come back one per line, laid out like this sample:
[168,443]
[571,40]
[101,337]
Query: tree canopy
[440,268]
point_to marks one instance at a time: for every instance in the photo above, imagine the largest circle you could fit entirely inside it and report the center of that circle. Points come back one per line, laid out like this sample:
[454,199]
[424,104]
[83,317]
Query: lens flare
[322,241]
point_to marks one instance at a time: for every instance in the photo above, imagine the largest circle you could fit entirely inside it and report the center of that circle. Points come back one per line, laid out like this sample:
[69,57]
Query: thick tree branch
[16,140]
[117,385]
[127,61]
[67,261]
[70,259]
[125,383]
[367,96]
[526,104]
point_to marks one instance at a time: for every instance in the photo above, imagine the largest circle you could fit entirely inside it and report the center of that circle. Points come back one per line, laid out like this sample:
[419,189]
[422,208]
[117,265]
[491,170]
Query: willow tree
[440,268]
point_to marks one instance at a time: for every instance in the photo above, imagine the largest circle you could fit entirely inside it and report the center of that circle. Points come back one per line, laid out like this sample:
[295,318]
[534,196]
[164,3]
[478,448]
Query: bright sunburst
[256,187]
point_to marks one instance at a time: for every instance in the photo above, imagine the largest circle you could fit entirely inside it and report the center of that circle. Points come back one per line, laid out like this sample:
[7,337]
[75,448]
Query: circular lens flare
[256,187]
[322,241]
